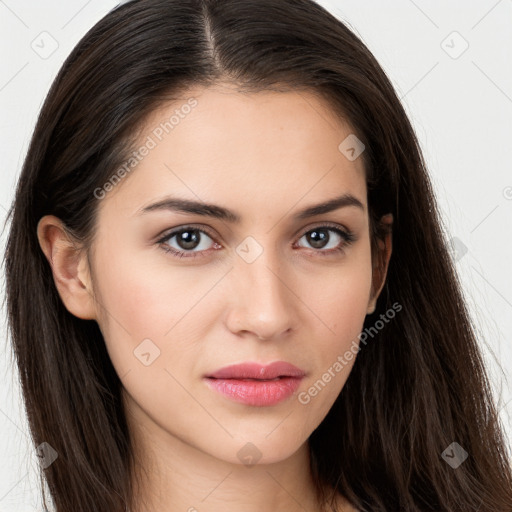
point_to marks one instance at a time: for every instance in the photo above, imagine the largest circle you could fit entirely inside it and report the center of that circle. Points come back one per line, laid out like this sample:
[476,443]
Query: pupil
[318,238]
[188,241]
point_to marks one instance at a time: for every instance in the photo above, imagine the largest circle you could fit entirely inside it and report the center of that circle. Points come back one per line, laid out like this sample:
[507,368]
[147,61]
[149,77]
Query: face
[270,285]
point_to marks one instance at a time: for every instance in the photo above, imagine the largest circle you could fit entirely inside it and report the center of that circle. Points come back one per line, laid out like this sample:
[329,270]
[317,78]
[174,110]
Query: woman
[227,283]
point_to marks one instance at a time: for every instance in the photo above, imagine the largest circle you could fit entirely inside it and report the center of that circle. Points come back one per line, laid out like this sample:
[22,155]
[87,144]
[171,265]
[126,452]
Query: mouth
[250,380]
[255,392]
[256,371]
[256,385]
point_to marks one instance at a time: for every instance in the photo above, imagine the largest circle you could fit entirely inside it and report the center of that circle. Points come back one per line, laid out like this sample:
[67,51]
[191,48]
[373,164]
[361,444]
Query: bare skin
[265,156]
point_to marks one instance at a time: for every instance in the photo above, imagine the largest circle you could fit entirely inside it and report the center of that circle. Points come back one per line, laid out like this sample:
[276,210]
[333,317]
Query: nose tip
[263,303]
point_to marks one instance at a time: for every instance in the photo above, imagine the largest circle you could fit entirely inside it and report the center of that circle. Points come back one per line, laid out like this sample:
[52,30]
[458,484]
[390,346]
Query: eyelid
[174,231]
[325,224]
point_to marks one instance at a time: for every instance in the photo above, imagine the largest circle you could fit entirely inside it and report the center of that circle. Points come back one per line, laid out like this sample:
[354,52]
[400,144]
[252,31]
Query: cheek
[143,290]
[340,296]
[145,297]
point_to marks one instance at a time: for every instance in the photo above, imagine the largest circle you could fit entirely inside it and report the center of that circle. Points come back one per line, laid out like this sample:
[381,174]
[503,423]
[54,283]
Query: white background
[460,107]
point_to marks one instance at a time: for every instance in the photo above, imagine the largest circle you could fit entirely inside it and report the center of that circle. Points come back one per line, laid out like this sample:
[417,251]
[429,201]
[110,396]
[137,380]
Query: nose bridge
[263,302]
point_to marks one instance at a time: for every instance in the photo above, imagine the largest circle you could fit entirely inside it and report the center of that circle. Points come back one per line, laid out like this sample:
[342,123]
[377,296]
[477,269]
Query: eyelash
[346,235]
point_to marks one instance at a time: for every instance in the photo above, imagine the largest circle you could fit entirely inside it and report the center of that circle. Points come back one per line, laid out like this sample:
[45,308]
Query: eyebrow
[219,212]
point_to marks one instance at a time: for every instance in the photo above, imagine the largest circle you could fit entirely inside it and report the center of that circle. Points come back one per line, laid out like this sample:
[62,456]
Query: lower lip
[256,392]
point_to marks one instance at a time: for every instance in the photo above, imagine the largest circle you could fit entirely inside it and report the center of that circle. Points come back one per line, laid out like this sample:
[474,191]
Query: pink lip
[258,371]
[254,384]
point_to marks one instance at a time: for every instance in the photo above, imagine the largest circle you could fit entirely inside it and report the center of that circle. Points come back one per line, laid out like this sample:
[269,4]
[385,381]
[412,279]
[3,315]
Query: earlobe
[69,267]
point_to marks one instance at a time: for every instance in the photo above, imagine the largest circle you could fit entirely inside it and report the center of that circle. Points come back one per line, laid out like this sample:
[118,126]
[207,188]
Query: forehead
[224,146]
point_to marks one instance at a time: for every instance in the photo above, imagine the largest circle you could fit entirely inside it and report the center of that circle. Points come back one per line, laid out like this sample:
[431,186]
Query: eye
[320,239]
[187,240]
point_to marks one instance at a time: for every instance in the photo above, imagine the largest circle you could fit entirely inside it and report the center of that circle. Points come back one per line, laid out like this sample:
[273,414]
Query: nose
[262,301]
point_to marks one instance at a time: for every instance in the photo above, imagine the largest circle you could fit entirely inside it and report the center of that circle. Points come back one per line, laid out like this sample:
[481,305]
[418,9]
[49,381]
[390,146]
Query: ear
[381,263]
[69,267]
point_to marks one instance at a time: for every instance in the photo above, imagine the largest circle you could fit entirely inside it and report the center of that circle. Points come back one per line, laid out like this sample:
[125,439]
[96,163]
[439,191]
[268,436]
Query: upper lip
[257,371]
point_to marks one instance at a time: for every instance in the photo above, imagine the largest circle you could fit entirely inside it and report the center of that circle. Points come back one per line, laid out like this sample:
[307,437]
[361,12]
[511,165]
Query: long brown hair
[416,389]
